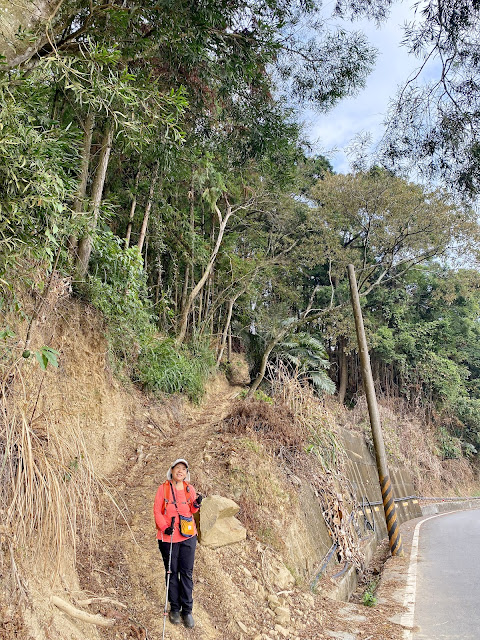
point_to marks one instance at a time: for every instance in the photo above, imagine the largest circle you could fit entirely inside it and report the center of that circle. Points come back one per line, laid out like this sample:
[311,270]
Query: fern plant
[306,355]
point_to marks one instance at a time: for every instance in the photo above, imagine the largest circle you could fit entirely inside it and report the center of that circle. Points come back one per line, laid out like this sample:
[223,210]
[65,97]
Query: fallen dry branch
[79,614]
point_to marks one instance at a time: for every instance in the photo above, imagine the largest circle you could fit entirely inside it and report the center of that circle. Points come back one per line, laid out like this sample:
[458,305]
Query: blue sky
[366,112]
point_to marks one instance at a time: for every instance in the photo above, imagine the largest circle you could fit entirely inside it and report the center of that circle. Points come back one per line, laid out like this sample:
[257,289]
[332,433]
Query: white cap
[183,461]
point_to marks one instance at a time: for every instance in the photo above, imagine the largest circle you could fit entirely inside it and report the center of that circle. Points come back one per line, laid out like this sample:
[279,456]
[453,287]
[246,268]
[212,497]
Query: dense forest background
[154,163]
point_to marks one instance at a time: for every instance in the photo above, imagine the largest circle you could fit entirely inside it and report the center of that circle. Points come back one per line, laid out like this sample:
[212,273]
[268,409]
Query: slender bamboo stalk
[158,286]
[85,244]
[186,279]
[223,220]
[148,208]
[132,209]
[343,365]
[229,351]
[79,202]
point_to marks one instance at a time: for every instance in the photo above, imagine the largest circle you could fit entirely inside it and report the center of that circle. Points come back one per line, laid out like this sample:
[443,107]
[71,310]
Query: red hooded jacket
[164,509]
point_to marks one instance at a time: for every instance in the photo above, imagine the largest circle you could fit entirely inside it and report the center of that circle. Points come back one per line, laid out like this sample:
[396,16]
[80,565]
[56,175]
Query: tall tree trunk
[85,244]
[175,300]
[191,195]
[211,293]
[263,365]
[192,315]
[229,351]
[143,230]
[199,286]
[186,279]
[79,202]
[132,209]
[342,361]
[207,298]
[159,280]
[200,308]
[223,341]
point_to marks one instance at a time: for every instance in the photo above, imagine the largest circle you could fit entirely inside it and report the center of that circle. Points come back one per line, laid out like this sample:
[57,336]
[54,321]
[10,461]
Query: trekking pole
[169,571]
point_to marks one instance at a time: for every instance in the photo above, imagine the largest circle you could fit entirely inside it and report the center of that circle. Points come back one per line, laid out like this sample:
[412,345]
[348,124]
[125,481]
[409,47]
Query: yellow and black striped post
[380,455]
[391,516]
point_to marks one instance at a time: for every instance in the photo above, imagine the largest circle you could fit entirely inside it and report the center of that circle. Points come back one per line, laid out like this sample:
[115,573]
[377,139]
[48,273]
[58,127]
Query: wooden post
[380,455]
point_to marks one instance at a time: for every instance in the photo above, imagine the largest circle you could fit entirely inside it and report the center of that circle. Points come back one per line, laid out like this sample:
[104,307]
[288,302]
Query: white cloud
[366,112]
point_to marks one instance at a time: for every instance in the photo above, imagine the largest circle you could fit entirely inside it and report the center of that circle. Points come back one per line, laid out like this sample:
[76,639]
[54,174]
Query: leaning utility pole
[380,455]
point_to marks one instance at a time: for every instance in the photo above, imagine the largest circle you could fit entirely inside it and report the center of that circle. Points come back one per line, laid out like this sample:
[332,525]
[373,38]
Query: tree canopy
[152,156]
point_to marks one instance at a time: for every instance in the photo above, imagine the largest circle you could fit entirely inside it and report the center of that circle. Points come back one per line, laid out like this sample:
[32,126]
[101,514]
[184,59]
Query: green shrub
[259,395]
[163,366]
[450,447]
[117,286]
[369,599]
[445,377]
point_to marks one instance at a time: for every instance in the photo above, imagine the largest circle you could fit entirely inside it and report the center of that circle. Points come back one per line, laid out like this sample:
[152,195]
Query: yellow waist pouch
[187,526]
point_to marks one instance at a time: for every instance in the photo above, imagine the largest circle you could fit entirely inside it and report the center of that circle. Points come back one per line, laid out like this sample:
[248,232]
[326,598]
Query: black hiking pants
[181,578]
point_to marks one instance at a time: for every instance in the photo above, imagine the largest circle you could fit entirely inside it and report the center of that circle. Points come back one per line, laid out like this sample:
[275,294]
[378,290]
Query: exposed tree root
[79,614]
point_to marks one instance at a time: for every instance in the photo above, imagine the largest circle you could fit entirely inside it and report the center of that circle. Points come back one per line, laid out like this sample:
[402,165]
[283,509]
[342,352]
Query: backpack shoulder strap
[186,488]
[166,487]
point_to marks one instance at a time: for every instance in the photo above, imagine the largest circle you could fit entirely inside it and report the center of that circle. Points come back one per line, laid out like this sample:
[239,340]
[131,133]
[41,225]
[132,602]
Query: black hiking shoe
[174,617]
[188,620]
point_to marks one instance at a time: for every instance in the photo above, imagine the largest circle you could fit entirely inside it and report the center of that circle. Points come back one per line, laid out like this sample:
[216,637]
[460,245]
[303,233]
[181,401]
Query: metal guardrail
[342,571]
[329,555]
[449,499]
[376,504]
[324,565]
[425,498]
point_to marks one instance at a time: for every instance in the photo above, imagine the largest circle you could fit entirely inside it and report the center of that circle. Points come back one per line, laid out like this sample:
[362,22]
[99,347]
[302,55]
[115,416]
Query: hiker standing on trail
[175,503]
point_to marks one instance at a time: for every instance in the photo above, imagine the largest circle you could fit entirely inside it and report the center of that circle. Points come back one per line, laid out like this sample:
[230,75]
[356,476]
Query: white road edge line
[411,587]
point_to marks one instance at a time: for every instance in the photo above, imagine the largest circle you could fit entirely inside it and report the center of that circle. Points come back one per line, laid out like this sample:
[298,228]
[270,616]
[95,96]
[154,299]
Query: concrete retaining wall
[449,505]
[308,540]
[363,475]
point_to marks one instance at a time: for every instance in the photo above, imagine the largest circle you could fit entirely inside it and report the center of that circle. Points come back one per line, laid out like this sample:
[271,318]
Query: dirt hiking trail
[134,573]
[231,583]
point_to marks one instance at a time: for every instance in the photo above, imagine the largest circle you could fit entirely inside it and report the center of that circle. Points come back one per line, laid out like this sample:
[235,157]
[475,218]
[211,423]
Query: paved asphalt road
[447,603]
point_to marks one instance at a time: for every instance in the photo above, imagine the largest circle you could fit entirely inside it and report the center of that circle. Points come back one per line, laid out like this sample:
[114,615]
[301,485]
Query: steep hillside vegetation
[150,159]
[84,453]
[164,226]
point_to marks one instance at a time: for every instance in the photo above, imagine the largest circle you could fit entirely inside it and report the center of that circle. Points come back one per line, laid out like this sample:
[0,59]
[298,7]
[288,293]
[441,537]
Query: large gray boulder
[218,525]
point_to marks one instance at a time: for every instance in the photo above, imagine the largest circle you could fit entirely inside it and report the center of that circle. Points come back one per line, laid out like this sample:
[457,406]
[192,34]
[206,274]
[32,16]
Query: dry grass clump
[49,492]
[458,476]
[48,489]
[412,441]
[317,422]
[253,481]
[274,423]
[294,425]
[294,420]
